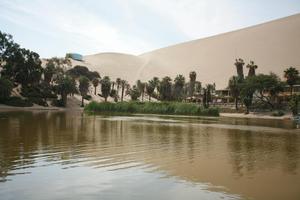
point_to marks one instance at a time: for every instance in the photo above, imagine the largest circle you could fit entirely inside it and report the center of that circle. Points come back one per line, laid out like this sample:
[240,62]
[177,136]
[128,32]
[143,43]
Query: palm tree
[105,87]
[141,87]
[252,67]
[239,63]
[150,87]
[179,83]
[193,76]
[84,84]
[165,88]
[65,86]
[95,82]
[291,75]
[123,85]
[234,88]
[155,81]
[113,85]
[118,81]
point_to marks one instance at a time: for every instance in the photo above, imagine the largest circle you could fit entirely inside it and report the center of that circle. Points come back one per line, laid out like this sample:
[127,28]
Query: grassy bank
[167,108]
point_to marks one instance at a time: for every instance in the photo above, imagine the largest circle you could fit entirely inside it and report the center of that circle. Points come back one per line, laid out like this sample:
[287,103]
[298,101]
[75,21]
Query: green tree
[156,81]
[252,67]
[234,85]
[150,87]
[179,83]
[118,82]
[239,64]
[6,87]
[123,86]
[198,87]
[65,86]
[84,84]
[78,71]
[291,75]
[95,83]
[49,71]
[134,93]
[294,104]
[264,88]
[165,89]
[141,87]
[105,87]
[193,76]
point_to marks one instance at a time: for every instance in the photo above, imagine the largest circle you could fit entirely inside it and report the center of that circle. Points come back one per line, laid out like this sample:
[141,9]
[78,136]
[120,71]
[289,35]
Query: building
[75,56]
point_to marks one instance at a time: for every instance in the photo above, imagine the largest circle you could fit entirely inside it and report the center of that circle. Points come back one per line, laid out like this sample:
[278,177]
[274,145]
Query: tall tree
[165,89]
[193,76]
[95,83]
[239,63]
[265,88]
[134,93]
[150,87]
[118,81]
[141,87]
[179,83]
[84,84]
[252,67]
[234,85]
[6,87]
[105,87]
[291,75]
[65,86]
[123,86]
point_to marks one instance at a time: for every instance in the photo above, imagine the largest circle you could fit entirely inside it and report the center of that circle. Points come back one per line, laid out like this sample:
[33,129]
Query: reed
[168,108]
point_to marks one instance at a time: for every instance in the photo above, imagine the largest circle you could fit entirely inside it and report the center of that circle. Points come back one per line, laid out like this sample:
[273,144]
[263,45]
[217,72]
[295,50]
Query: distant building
[75,56]
[222,96]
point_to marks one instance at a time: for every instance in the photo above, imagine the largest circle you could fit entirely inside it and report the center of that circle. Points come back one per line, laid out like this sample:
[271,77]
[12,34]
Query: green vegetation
[5,89]
[84,85]
[278,113]
[292,76]
[21,71]
[18,102]
[105,87]
[294,104]
[168,108]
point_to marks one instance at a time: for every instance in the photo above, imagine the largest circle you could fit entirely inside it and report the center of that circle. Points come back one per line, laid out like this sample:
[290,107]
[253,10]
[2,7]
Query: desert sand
[273,46]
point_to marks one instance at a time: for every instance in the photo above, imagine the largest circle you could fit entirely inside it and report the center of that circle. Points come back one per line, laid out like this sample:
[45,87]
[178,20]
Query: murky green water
[70,155]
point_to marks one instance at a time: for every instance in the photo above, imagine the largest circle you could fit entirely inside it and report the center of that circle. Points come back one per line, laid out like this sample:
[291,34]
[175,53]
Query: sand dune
[273,46]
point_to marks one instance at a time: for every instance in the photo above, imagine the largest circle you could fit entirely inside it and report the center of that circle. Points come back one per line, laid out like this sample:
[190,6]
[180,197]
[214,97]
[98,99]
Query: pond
[73,155]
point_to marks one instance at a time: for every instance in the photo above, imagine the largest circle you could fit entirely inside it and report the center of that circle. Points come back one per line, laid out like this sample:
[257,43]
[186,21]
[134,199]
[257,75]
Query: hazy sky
[54,27]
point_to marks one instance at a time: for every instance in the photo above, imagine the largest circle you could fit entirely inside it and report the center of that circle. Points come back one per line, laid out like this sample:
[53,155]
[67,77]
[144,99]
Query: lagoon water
[72,155]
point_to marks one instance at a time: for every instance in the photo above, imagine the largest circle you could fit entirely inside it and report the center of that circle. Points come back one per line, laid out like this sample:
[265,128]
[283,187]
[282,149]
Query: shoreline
[251,115]
[36,108]
[256,115]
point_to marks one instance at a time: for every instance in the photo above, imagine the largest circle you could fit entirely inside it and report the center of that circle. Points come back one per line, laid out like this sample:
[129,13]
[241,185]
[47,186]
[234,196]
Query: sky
[55,27]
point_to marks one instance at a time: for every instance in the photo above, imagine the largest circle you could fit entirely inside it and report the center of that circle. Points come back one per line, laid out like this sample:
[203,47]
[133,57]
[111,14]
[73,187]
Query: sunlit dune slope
[273,46]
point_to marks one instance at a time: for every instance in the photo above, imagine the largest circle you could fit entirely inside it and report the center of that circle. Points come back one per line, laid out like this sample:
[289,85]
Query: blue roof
[76,56]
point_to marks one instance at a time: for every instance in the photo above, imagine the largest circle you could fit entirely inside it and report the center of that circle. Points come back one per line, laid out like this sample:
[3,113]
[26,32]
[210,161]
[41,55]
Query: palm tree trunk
[122,95]
[236,104]
[105,99]
[149,97]
[82,103]
[95,90]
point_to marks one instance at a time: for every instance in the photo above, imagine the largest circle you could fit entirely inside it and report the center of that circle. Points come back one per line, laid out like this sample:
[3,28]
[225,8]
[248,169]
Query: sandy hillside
[273,46]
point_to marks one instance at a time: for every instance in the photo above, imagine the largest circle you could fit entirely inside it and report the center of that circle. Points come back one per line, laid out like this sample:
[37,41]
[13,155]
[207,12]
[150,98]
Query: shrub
[38,101]
[18,102]
[170,108]
[58,103]
[5,89]
[87,97]
[278,113]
